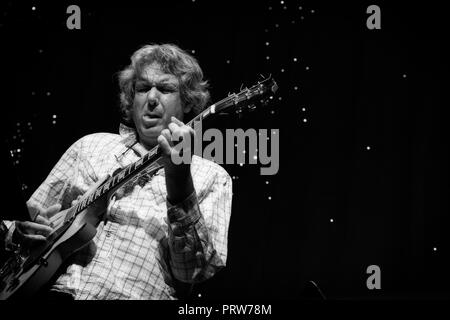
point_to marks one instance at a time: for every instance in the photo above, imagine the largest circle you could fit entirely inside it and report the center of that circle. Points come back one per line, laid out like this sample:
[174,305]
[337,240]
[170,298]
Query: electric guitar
[29,269]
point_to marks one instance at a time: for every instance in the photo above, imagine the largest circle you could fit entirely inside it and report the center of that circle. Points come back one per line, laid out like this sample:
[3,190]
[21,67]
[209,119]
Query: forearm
[179,183]
[190,245]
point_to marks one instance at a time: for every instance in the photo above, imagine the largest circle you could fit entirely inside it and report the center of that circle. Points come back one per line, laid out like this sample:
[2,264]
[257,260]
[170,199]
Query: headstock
[248,98]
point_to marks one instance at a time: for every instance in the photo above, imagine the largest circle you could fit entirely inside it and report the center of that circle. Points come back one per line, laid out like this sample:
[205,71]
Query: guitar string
[237,98]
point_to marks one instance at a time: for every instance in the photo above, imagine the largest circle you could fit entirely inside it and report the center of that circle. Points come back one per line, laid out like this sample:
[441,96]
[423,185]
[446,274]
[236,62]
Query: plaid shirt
[145,242]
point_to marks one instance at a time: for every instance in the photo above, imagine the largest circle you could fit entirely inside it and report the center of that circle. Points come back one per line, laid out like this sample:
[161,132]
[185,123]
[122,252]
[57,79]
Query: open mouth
[150,120]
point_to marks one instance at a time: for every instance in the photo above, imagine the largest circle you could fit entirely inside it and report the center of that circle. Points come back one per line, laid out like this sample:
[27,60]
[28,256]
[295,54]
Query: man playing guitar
[164,229]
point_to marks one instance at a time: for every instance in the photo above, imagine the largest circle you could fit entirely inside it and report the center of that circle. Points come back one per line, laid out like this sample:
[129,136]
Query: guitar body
[31,273]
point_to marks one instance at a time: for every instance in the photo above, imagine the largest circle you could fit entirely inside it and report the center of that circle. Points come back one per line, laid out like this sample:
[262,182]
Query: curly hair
[172,60]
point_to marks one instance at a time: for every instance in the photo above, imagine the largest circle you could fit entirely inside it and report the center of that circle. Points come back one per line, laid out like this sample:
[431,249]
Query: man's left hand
[178,175]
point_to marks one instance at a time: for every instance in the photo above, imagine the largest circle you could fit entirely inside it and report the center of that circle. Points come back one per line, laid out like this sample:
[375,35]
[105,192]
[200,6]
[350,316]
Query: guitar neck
[129,172]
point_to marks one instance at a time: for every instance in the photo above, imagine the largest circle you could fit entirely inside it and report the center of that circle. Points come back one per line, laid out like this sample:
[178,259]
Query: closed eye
[142,89]
[167,88]
[163,89]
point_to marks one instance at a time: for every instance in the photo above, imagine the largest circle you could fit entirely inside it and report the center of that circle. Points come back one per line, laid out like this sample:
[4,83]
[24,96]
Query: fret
[71,214]
[152,153]
[148,157]
[91,198]
[107,184]
[85,203]
[68,216]
[131,168]
[78,206]
[98,193]
[145,157]
[223,101]
[121,175]
[139,163]
[205,114]
[239,99]
[114,181]
[82,206]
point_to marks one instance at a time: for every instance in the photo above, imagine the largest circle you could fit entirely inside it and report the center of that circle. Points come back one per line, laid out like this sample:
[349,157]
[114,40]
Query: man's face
[156,100]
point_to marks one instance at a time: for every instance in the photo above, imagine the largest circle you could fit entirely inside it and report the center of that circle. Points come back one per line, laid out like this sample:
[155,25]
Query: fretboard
[121,177]
[129,172]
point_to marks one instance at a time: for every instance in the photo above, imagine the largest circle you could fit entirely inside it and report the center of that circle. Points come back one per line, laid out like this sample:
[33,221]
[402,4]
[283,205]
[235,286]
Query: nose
[153,97]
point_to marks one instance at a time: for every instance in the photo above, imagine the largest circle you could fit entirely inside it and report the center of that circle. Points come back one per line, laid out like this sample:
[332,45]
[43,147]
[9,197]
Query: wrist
[178,172]
[179,187]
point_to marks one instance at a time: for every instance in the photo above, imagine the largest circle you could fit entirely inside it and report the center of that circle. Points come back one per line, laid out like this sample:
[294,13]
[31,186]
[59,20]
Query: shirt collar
[128,134]
[130,139]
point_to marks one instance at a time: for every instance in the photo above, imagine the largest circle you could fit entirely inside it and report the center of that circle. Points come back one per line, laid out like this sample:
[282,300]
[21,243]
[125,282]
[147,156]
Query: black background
[386,89]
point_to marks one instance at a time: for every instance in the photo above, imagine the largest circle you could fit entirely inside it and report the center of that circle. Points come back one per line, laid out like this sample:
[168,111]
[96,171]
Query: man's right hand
[28,232]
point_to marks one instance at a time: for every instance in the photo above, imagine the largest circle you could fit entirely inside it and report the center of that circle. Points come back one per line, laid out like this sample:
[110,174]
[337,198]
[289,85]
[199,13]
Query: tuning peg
[251,107]
[239,113]
[274,88]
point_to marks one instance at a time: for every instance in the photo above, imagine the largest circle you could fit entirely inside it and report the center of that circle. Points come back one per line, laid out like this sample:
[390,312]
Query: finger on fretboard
[58,219]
